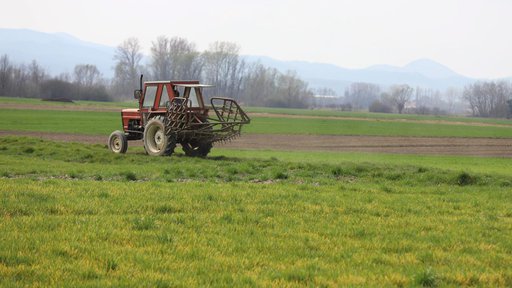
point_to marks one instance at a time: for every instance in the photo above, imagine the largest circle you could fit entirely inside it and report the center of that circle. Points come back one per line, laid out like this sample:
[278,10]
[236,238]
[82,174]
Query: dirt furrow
[398,145]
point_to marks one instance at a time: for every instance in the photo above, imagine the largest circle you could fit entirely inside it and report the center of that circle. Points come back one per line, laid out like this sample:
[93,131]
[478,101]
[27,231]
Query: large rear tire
[196,148]
[118,142]
[156,143]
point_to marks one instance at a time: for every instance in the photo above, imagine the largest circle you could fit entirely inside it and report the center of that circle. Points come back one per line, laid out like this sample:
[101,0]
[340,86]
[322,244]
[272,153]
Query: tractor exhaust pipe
[137,94]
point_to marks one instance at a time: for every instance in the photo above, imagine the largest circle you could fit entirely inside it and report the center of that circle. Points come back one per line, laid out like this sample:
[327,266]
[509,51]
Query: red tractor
[174,112]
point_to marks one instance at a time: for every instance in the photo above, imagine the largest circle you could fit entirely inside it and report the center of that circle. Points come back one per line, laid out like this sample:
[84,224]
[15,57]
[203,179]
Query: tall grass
[241,221]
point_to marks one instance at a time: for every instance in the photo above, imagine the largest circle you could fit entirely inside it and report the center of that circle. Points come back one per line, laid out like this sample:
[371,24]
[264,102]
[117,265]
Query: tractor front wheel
[156,143]
[196,149]
[118,142]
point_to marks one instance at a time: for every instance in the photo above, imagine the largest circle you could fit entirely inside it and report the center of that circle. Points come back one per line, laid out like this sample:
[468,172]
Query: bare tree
[263,86]
[86,75]
[325,91]
[88,83]
[361,94]
[452,96]
[400,94]
[6,69]
[488,99]
[223,67]
[128,68]
[509,103]
[160,58]
[192,65]
[259,85]
[36,72]
[181,54]
[175,58]
[292,91]
[20,80]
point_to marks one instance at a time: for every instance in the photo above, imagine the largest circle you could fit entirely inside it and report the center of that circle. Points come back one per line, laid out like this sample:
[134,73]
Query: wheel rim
[159,139]
[156,139]
[116,144]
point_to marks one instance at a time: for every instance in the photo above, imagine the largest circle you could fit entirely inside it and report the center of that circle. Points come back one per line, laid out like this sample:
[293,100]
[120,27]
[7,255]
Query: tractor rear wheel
[196,148]
[118,142]
[156,142]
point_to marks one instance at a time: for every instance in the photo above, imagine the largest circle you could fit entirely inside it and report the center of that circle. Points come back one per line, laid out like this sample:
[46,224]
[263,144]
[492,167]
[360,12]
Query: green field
[103,123]
[71,105]
[268,110]
[78,215]
[383,116]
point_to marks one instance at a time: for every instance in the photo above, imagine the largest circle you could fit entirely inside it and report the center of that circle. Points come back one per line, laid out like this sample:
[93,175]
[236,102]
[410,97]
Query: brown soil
[398,145]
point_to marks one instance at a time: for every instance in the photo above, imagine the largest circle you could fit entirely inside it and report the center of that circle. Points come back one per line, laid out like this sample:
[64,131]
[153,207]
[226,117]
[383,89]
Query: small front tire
[118,142]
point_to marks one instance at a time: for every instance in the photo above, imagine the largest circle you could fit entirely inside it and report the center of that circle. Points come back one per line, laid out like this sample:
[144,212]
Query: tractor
[174,112]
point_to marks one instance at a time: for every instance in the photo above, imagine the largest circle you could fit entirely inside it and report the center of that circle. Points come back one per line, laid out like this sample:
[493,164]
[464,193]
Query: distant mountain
[425,67]
[60,52]
[424,72]
[57,53]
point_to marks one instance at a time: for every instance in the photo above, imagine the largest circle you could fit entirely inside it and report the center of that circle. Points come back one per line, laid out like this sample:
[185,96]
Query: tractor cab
[154,99]
[158,94]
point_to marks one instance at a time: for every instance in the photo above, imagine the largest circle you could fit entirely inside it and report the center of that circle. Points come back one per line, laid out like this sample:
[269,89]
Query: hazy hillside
[60,52]
[424,73]
[57,53]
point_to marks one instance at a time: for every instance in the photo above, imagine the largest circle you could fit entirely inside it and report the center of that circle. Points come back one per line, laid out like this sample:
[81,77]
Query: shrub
[379,107]
[112,265]
[464,179]
[427,278]
[279,175]
[130,176]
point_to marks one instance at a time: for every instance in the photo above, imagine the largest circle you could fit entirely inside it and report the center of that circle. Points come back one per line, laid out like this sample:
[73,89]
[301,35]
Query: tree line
[480,99]
[489,99]
[399,98]
[32,81]
[220,65]
[249,83]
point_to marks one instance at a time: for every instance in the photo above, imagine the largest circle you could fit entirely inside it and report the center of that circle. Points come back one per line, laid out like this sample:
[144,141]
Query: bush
[56,89]
[346,107]
[379,107]
[427,278]
[464,179]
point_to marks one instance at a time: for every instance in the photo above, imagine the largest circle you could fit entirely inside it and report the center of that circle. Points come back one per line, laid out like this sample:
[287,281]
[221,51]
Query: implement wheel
[156,142]
[196,148]
[118,142]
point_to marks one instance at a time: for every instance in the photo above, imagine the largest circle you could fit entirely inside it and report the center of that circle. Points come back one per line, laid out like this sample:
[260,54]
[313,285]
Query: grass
[481,165]
[275,125]
[382,116]
[74,104]
[135,220]
[77,215]
[75,122]
[103,123]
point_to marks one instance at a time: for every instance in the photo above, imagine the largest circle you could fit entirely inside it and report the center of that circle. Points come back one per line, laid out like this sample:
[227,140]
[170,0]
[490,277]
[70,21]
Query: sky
[472,37]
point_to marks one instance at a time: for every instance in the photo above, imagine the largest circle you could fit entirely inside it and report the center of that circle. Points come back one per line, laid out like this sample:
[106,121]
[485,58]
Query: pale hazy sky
[473,37]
